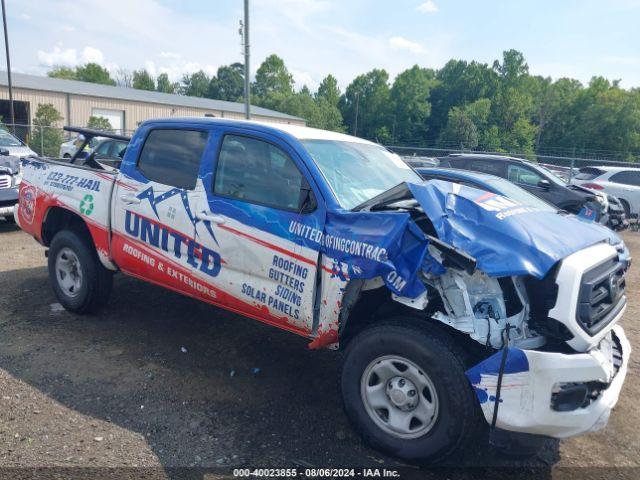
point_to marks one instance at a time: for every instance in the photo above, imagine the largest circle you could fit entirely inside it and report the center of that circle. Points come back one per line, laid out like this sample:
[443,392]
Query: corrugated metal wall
[35,98]
[134,112]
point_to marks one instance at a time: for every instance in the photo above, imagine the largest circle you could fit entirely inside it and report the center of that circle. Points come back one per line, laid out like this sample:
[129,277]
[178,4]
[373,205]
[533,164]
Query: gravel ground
[159,380]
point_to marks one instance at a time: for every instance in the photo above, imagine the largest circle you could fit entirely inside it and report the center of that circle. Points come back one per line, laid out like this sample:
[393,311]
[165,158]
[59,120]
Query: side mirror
[4,151]
[307,199]
[544,184]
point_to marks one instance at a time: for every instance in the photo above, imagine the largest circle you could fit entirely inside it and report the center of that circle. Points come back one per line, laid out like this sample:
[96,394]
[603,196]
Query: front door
[259,211]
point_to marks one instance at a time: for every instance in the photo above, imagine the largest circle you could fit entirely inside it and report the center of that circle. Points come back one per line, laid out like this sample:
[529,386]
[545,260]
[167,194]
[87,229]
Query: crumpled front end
[490,265]
[554,394]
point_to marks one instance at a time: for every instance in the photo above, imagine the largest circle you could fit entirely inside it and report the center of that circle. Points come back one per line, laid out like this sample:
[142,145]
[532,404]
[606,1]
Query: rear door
[153,208]
[626,185]
[259,210]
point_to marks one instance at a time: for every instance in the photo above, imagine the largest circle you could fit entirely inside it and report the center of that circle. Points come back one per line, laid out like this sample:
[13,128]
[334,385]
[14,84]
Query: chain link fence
[569,165]
[45,140]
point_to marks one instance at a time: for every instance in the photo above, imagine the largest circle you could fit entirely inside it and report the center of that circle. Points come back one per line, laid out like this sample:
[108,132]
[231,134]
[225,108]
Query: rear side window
[630,177]
[258,172]
[172,157]
[588,173]
[494,168]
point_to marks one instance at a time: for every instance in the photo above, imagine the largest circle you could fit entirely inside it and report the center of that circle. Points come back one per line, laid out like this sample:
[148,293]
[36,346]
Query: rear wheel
[80,281]
[405,391]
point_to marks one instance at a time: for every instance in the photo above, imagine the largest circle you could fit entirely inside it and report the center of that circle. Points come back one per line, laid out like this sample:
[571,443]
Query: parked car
[501,186]
[418,161]
[109,151]
[539,181]
[622,182]
[11,150]
[14,146]
[68,148]
[10,178]
[457,310]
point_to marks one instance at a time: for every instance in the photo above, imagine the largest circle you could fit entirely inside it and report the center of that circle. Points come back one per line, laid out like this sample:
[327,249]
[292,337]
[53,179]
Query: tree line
[463,105]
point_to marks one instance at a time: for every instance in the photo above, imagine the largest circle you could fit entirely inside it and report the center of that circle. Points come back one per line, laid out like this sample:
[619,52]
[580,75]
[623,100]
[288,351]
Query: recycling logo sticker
[86,205]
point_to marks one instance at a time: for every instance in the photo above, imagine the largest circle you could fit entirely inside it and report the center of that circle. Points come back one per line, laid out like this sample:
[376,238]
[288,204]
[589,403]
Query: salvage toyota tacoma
[460,311]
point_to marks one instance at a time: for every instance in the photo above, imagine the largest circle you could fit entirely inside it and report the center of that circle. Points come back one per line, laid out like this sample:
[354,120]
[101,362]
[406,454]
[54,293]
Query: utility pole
[247,79]
[355,123]
[6,46]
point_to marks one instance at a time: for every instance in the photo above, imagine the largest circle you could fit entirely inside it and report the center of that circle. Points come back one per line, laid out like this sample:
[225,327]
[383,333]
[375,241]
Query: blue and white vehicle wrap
[293,269]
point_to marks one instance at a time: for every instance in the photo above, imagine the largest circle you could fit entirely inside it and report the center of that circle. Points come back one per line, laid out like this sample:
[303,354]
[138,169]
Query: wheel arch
[58,218]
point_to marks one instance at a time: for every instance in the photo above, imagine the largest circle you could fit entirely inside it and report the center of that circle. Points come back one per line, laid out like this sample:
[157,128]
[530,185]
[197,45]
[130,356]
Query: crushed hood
[504,236]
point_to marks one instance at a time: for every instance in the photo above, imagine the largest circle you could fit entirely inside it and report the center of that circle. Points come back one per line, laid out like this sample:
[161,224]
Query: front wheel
[405,391]
[81,283]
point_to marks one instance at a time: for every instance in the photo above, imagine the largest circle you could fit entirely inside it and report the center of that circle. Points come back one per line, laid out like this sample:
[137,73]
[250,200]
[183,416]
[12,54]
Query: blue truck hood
[505,237]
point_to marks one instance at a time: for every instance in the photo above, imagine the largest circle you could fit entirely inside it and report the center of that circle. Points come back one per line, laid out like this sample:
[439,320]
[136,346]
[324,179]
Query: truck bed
[50,184]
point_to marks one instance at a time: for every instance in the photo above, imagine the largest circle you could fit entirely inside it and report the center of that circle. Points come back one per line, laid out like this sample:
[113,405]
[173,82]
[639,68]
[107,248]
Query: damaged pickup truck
[458,309]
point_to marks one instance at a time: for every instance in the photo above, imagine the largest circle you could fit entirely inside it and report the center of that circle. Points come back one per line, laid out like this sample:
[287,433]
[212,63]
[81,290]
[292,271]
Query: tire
[457,417]
[10,219]
[86,290]
[627,208]
[66,155]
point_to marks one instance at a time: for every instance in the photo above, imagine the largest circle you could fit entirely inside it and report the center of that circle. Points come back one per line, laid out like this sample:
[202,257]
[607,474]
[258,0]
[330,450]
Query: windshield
[357,172]
[510,190]
[8,140]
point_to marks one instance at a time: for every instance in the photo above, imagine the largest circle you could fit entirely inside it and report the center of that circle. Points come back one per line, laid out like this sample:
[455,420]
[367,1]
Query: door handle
[129,199]
[211,217]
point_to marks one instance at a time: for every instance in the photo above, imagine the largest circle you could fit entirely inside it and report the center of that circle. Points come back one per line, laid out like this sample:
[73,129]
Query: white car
[621,182]
[14,146]
[67,149]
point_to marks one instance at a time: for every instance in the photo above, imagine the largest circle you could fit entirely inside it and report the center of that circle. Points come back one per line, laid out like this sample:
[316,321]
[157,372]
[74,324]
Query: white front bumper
[526,391]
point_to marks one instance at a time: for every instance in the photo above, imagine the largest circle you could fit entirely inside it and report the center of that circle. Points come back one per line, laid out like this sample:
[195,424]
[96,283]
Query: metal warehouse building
[125,108]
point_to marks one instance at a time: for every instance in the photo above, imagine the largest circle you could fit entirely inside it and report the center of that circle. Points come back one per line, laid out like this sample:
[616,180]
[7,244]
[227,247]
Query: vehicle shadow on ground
[8,226]
[204,387]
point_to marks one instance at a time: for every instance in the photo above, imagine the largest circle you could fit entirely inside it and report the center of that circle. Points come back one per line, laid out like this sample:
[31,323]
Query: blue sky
[576,38]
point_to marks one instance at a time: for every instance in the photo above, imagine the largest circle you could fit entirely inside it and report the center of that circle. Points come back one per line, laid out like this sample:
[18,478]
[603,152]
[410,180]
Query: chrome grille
[5,181]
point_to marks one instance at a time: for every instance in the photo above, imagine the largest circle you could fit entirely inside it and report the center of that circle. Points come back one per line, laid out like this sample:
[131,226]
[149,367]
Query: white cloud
[401,43]
[150,66]
[68,28]
[301,78]
[69,57]
[58,56]
[314,37]
[25,17]
[92,55]
[428,7]
[171,55]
